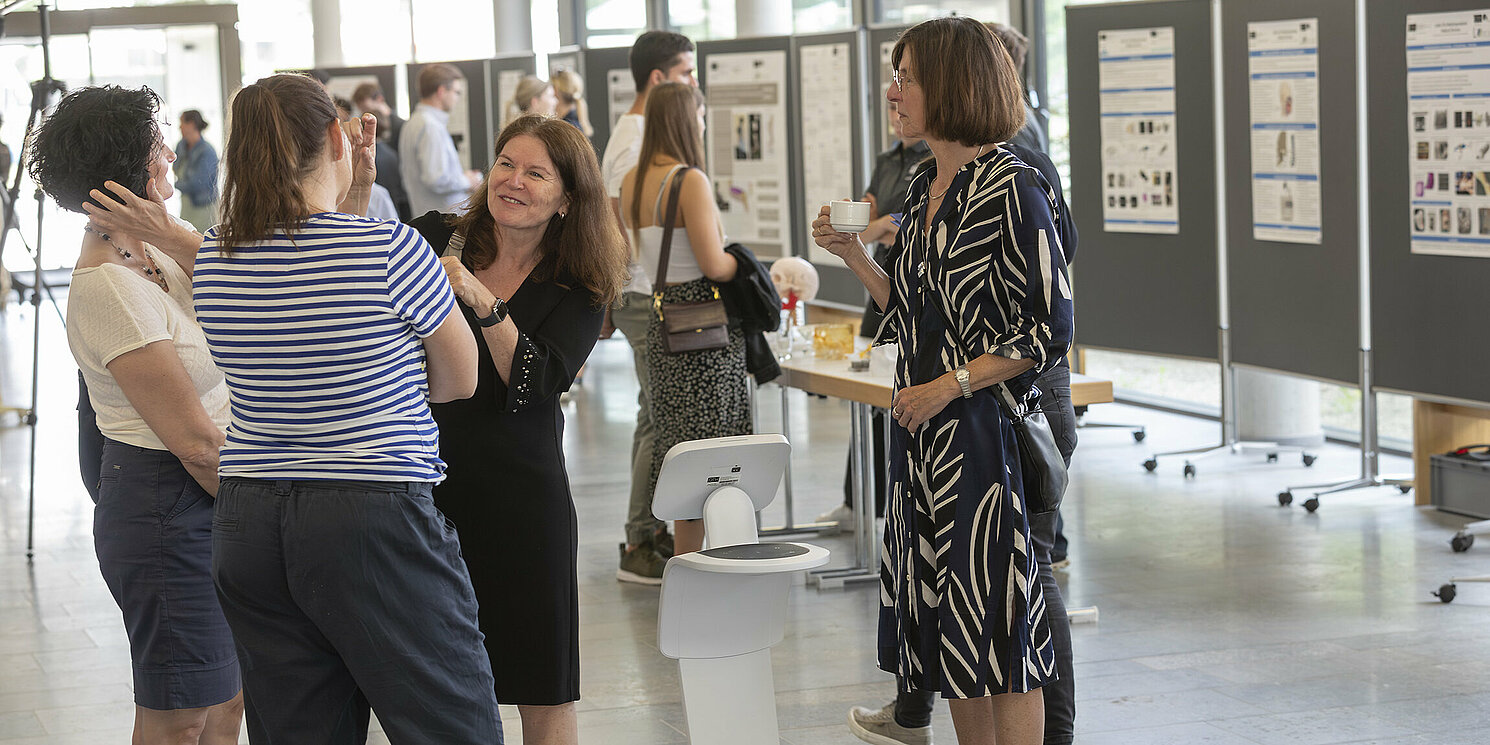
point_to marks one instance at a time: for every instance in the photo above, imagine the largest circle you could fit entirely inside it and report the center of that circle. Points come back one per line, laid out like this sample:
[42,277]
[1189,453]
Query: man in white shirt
[430,166]
[656,57]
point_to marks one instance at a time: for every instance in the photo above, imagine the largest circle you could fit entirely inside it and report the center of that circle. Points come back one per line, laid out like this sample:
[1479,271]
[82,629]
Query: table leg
[861,449]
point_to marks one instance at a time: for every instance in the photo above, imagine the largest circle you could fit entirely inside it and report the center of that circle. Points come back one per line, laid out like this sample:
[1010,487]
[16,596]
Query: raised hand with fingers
[120,211]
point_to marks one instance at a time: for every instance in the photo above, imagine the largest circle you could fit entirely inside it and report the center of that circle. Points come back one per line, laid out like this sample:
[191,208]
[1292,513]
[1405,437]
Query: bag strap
[667,232]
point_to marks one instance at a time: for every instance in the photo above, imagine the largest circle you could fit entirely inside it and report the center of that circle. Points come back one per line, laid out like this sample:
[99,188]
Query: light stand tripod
[41,96]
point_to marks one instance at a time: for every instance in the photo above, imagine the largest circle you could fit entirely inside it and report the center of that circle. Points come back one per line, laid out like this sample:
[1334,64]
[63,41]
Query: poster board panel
[1295,307]
[1146,293]
[506,71]
[609,89]
[1427,310]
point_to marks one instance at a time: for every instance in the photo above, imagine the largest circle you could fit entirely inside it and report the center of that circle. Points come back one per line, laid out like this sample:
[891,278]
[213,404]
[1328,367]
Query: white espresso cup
[847,216]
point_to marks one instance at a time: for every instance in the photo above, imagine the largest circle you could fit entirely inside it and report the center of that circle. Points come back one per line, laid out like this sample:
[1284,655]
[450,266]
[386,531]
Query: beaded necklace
[151,270]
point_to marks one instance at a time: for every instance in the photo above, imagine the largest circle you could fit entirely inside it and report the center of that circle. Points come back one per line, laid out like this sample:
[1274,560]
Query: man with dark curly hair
[161,406]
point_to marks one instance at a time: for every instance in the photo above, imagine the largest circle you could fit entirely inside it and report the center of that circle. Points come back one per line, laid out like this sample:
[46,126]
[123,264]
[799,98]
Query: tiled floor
[1224,618]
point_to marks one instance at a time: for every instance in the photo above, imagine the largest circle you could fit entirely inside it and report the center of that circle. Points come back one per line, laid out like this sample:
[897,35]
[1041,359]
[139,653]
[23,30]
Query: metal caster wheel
[1150,464]
[1311,504]
[1309,459]
[1139,435]
[1272,457]
[1461,542]
[1404,488]
[1189,471]
[1446,593]
[1285,498]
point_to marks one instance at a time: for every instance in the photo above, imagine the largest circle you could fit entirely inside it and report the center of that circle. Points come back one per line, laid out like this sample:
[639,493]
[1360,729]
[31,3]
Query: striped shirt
[319,341]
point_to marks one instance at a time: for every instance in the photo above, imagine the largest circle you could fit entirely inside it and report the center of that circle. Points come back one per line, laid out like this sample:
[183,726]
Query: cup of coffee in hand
[847,216]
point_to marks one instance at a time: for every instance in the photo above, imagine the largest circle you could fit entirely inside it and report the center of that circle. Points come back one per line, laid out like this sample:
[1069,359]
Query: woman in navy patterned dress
[977,296]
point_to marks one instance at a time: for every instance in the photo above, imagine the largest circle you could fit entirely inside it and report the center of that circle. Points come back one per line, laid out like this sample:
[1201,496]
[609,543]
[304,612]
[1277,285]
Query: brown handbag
[686,327]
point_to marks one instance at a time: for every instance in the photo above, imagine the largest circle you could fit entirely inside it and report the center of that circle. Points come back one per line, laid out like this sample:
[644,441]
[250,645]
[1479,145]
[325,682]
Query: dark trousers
[913,707]
[347,594]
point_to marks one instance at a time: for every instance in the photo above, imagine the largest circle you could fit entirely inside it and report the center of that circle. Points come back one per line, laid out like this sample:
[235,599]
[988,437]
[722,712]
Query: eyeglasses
[902,79]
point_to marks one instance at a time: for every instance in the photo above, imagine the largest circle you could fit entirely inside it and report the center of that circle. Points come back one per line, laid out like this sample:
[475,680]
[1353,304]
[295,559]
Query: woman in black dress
[535,258]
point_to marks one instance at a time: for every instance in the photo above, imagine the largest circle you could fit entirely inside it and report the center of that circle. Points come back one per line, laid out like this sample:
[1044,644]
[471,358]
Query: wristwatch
[964,381]
[498,314]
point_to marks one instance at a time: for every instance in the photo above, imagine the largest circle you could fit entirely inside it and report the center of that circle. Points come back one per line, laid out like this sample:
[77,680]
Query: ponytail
[276,135]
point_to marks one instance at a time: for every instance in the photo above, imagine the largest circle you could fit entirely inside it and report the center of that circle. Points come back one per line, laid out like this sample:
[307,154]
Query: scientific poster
[507,82]
[1283,67]
[1448,132]
[827,134]
[1140,173]
[748,149]
[620,93]
[887,134]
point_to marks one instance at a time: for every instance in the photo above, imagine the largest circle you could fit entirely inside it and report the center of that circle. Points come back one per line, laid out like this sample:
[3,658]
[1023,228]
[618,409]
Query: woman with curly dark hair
[161,405]
[535,258]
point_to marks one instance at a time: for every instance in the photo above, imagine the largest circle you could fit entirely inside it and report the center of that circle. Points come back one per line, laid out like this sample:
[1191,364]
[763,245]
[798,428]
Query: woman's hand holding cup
[842,245]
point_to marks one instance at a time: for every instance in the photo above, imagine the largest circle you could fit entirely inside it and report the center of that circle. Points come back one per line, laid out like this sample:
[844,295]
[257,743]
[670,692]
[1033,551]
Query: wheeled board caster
[1272,457]
[1139,435]
[1404,488]
[1462,541]
[1311,504]
[1189,471]
[1285,498]
[1309,459]
[1150,464]
[1446,593]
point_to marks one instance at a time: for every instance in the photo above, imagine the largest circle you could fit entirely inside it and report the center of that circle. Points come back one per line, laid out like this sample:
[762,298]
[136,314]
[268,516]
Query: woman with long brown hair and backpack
[702,393]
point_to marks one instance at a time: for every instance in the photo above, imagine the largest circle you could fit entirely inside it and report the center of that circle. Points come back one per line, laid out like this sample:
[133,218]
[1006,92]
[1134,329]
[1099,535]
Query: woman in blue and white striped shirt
[342,583]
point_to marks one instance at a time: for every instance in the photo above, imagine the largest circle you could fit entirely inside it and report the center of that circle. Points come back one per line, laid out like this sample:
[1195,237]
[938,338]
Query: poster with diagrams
[882,105]
[748,148]
[1448,132]
[1283,79]
[620,93]
[1140,174]
[827,133]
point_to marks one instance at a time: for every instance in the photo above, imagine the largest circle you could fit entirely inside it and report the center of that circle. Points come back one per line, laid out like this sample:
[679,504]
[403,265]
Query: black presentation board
[1136,291]
[1295,307]
[836,282]
[879,72]
[1428,312]
[387,76]
[599,63]
[790,243]
[522,62]
[478,105]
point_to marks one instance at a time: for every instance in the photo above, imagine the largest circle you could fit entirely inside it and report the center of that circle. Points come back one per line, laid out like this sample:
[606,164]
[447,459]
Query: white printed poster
[748,148]
[827,133]
[887,71]
[1140,174]
[1448,149]
[507,82]
[620,93]
[1283,71]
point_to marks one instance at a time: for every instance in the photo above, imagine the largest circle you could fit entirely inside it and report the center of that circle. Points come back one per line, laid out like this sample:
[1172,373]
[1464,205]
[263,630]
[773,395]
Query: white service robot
[723,608]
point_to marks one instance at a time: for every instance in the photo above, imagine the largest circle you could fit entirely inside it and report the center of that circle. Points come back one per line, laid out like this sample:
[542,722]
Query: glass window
[915,11]
[812,16]
[703,19]
[614,23]
[275,35]
[443,29]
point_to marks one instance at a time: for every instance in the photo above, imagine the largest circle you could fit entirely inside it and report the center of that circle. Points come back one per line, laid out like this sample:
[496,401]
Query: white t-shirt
[621,153]
[111,310]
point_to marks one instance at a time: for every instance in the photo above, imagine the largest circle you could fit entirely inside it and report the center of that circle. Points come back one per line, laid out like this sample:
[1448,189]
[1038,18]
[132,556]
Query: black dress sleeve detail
[547,358]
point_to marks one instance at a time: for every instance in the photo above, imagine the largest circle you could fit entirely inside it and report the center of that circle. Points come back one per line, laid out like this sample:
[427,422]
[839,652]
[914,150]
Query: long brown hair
[585,245]
[276,134]
[671,130]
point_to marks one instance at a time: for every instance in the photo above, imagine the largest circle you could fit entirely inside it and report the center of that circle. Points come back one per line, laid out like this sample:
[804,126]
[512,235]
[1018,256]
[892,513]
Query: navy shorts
[152,530]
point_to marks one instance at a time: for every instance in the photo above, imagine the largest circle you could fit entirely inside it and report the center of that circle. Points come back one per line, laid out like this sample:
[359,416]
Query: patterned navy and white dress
[962,611]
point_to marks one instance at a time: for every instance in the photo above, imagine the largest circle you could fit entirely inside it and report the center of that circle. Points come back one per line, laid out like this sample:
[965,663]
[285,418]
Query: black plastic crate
[1461,485]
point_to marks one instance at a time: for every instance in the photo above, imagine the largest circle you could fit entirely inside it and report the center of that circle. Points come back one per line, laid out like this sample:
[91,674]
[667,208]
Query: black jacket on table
[753,304]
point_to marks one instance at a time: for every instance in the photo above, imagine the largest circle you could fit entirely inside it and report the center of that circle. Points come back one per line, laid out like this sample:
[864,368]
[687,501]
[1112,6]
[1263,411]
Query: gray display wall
[788,202]
[510,68]
[1143,292]
[837,283]
[1295,307]
[608,100]
[387,76]
[1428,312]
[881,39]
[480,127]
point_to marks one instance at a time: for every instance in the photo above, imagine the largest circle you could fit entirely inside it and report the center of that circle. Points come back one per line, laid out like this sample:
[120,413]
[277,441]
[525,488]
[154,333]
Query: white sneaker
[843,515]
[878,726]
